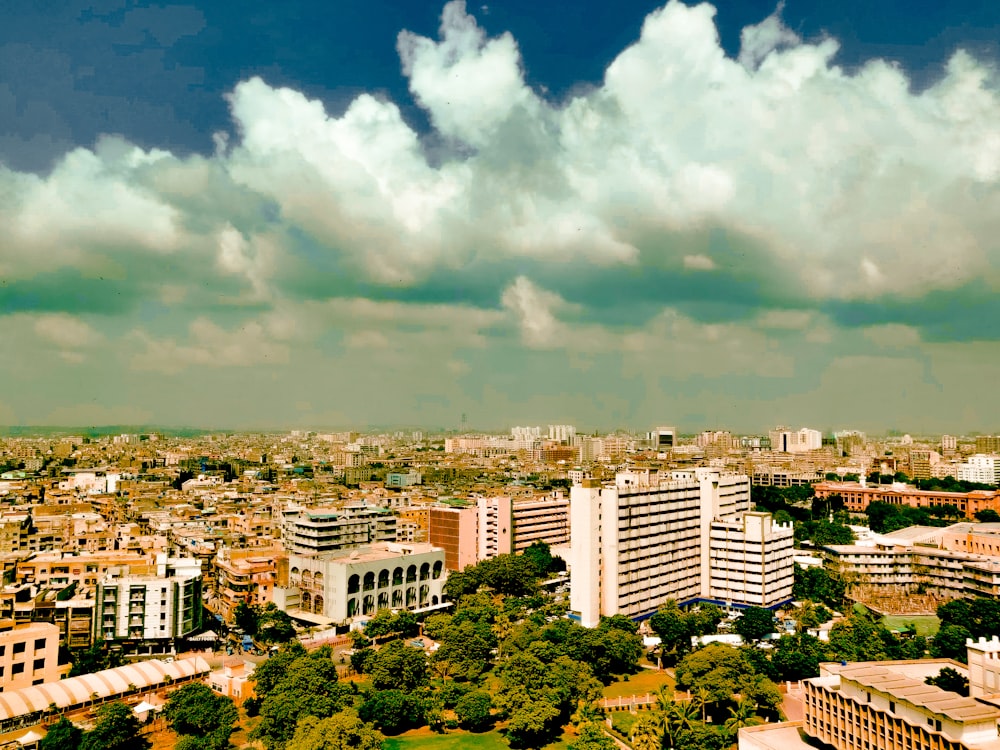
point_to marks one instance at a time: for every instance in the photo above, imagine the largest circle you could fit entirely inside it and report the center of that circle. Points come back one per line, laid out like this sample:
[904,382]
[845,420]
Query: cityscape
[500,376]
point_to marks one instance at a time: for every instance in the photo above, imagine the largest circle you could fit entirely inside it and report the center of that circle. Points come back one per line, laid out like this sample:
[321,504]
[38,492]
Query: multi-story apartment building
[349,584]
[307,531]
[796,441]
[151,609]
[246,580]
[455,529]
[858,495]
[29,655]
[647,538]
[987,444]
[509,526]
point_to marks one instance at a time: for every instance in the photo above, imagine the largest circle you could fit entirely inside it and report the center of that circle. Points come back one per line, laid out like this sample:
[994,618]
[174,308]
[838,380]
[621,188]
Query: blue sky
[306,214]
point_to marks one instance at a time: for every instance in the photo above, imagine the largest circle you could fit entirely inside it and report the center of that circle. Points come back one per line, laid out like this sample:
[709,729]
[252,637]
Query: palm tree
[647,734]
[678,718]
[744,715]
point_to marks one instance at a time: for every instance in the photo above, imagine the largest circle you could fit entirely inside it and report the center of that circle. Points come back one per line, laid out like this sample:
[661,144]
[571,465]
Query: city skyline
[729,218]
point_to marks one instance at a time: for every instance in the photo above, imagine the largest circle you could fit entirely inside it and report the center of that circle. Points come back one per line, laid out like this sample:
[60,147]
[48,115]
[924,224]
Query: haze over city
[731,216]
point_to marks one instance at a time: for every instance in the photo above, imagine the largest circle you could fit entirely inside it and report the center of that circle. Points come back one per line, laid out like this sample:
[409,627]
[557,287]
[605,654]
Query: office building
[648,537]
[858,495]
[455,529]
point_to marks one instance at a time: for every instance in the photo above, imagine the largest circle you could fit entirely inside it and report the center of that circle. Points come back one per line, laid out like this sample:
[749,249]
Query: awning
[311,617]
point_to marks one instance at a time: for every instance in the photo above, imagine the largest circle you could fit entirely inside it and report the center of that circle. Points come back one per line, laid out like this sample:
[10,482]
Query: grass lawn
[424,739]
[927,625]
[623,721]
[646,681]
[450,741]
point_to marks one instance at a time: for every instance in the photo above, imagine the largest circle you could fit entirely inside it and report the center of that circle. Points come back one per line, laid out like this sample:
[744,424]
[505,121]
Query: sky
[316,215]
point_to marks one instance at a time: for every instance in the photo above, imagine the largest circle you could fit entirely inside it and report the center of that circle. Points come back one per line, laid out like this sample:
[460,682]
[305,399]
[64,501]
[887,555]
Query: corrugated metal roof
[104,684]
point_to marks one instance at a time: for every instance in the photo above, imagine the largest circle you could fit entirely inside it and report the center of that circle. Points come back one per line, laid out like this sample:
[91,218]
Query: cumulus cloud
[692,203]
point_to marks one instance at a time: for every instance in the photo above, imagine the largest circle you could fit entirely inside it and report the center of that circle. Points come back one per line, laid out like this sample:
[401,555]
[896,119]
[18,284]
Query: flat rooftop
[906,683]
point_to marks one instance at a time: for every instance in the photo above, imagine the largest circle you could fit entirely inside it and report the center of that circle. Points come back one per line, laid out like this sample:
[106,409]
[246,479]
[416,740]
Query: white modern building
[341,586]
[648,537]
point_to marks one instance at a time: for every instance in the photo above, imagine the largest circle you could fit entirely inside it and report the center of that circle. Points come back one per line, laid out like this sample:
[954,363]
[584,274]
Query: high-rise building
[650,537]
[564,433]
[455,529]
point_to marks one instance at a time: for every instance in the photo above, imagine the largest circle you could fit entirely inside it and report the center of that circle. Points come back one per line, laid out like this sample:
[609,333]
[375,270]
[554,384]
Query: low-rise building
[348,584]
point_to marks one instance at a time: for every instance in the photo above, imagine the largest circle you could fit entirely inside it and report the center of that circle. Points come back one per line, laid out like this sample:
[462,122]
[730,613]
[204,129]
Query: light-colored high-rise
[649,537]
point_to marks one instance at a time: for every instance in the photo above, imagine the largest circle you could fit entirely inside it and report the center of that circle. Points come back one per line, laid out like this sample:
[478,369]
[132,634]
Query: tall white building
[649,537]
[800,441]
[564,433]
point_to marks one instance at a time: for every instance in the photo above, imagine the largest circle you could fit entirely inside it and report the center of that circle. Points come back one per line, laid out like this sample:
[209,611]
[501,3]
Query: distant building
[857,496]
[401,480]
[801,441]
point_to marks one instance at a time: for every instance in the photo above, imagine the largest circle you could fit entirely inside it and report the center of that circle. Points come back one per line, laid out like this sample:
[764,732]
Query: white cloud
[533,309]
[66,331]
[209,345]
[699,263]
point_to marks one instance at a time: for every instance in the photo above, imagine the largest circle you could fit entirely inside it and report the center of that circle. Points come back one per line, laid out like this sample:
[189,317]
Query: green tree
[307,686]
[988,515]
[744,714]
[94,659]
[392,711]
[949,643]
[951,680]
[473,710]
[63,735]
[274,625]
[647,733]
[673,627]
[755,623]
[342,731]
[196,712]
[245,618]
[592,737]
[398,665]
[117,728]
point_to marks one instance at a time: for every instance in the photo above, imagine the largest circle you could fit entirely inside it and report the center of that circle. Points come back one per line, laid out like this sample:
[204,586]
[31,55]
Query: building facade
[150,609]
[350,584]
[875,706]
[309,531]
[29,655]
[751,561]
[647,538]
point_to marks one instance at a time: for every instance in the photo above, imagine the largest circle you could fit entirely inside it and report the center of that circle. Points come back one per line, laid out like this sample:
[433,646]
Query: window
[39,644]
[19,648]
[38,664]
[17,668]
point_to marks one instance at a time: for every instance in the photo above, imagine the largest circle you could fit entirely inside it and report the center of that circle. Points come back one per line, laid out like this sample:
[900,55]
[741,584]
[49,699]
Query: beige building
[888,706]
[29,655]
